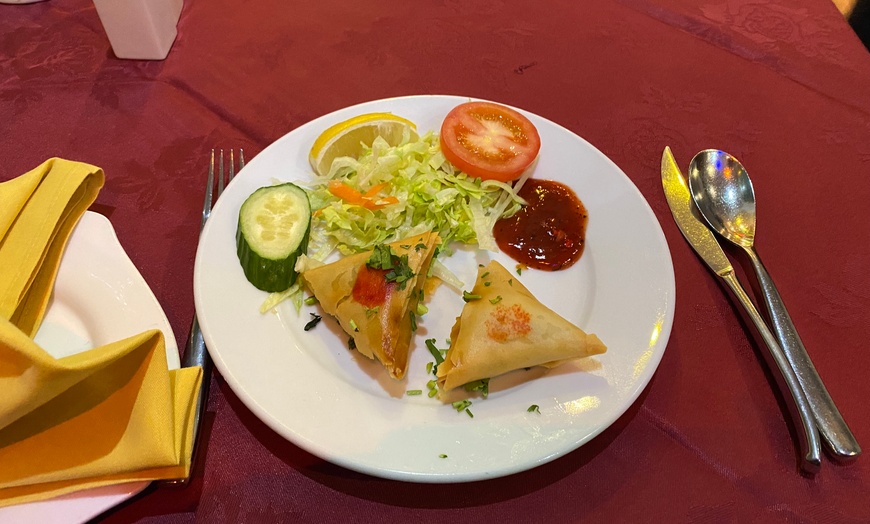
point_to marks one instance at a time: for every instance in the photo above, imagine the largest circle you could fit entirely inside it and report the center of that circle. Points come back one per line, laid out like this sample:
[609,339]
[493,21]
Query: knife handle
[833,428]
[807,434]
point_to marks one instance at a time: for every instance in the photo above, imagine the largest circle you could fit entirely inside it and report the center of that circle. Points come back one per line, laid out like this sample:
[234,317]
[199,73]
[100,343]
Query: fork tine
[232,167]
[220,188]
[206,206]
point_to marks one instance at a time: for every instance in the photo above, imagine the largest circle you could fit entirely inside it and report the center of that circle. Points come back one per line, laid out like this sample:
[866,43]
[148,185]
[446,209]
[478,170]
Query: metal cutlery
[195,353]
[722,190]
[704,243]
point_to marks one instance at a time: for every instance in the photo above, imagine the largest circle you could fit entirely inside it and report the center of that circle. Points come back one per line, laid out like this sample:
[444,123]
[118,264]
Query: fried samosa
[503,327]
[374,296]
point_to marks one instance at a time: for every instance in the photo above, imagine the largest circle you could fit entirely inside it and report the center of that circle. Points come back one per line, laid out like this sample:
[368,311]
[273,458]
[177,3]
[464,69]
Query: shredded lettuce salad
[425,193]
[408,189]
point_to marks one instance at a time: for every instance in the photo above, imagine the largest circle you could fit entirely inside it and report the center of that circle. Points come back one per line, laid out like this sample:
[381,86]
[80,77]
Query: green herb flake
[481,385]
[487,284]
[315,318]
[381,257]
[397,267]
[495,300]
[444,456]
[419,246]
[484,275]
[511,282]
[413,321]
[310,301]
[430,345]
[353,326]
[468,297]
[414,392]
[405,246]
[372,311]
[534,408]
[461,405]
[470,414]
[519,270]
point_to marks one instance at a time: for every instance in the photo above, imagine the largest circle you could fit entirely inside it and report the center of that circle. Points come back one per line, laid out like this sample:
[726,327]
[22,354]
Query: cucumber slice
[274,223]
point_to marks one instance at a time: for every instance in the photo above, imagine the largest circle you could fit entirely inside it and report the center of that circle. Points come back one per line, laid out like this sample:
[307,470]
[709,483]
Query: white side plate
[99,297]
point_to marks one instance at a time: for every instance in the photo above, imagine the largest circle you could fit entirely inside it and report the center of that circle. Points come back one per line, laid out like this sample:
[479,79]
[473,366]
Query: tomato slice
[489,141]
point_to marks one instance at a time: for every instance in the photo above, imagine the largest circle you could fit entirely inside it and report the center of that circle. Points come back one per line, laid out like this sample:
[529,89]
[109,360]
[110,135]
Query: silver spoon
[723,193]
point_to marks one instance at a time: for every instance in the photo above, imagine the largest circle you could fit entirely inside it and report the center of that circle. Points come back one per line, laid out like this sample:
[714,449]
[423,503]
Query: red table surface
[783,85]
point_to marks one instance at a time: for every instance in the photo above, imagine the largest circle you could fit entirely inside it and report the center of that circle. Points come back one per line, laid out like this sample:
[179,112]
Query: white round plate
[330,401]
[99,297]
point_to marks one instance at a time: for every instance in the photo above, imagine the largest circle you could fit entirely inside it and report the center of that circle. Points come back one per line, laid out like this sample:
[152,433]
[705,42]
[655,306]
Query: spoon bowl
[723,192]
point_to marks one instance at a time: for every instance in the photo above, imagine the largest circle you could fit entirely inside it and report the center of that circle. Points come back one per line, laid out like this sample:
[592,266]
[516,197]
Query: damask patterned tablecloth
[782,85]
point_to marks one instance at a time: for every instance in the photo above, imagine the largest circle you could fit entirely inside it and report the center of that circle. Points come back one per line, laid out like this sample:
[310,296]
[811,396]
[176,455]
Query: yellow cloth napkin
[108,415]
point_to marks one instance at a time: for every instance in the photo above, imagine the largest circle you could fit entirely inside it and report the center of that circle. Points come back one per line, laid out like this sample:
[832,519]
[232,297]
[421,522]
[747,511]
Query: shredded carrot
[355,198]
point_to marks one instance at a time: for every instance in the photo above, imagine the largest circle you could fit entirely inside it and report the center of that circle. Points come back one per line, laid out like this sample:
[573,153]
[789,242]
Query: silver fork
[195,352]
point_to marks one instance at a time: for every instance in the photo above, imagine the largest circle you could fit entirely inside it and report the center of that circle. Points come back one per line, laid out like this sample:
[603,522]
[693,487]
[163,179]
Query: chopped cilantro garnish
[484,275]
[315,318]
[511,282]
[430,345]
[468,297]
[397,267]
[487,284]
[413,321]
[461,405]
[380,257]
[401,273]
[495,300]
[534,409]
[414,392]
[519,269]
[419,246]
[481,385]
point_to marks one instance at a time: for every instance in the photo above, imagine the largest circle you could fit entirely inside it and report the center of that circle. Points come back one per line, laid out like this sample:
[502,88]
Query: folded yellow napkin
[108,415]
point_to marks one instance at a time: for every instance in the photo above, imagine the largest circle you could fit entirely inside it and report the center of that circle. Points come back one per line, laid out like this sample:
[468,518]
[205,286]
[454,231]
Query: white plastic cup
[140,29]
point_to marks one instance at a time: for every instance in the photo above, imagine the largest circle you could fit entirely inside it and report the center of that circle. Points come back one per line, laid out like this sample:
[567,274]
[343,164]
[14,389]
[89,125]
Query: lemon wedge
[345,138]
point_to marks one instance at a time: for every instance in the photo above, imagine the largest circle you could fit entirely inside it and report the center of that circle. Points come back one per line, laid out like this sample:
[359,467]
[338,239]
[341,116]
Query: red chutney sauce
[550,232]
[371,287]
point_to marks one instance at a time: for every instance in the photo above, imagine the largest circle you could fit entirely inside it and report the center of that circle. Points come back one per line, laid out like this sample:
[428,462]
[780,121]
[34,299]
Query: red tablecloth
[783,85]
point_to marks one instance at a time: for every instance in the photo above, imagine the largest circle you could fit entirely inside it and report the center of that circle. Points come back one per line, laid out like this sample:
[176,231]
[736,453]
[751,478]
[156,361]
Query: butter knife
[705,245]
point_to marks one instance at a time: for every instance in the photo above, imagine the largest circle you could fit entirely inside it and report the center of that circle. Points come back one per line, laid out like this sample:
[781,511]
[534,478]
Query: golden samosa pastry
[374,296]
[503,327]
